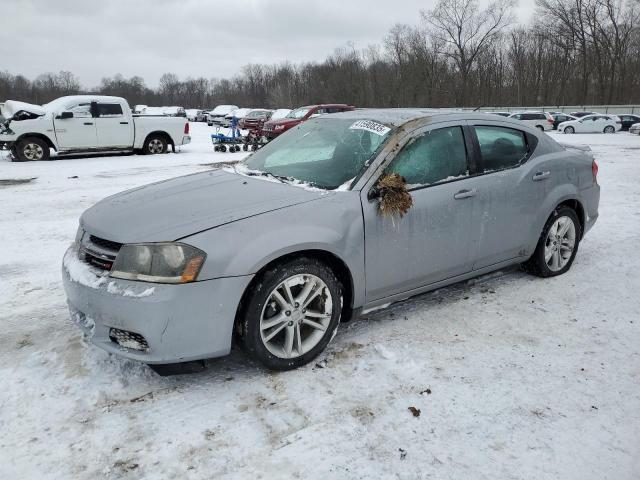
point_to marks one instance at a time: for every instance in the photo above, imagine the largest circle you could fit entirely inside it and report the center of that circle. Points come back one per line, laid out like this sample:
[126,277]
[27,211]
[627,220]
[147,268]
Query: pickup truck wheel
[155,145]
[557,246]
[32,149]
[291,313]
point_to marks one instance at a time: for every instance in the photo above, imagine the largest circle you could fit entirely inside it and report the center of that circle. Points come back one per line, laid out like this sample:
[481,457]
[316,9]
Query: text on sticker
[370,126]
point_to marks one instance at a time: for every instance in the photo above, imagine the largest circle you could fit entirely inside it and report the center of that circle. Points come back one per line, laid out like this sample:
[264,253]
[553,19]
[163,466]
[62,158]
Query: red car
[273,128]
[255,119]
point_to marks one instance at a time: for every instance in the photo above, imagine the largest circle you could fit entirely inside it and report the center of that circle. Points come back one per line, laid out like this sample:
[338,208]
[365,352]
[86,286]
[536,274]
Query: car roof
[401,116]
[325,105]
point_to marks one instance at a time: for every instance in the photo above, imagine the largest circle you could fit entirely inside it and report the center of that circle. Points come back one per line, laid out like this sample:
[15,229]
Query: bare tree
[466,31]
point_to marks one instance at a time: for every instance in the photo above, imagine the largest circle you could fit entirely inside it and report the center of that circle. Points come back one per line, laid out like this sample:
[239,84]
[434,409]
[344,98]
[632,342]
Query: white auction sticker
[370,126]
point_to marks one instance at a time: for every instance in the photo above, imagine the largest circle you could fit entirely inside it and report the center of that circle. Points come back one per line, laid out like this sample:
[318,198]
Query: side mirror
[64,115]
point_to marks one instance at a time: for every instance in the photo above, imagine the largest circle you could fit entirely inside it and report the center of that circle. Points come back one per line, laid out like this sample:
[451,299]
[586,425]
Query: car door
[509,192]
[113,126]
[433,241]
[77,132]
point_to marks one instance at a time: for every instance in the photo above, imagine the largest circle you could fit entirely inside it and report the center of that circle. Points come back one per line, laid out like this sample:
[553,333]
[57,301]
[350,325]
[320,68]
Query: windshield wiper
[280,178]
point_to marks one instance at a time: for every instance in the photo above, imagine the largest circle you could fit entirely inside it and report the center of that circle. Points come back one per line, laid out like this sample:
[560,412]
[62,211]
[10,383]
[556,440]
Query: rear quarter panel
[144,125]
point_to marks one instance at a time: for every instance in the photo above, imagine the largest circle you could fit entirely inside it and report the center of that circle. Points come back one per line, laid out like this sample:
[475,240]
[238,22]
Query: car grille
[126,339]
[99,252]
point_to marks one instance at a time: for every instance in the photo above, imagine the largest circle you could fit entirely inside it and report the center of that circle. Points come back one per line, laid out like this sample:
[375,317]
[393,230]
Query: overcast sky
[94,39]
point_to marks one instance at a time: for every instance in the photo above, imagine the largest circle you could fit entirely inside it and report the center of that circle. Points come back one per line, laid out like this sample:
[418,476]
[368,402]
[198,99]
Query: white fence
[614,109]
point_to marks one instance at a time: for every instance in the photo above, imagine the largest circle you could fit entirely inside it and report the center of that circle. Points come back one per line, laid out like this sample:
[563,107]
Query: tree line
[459,54]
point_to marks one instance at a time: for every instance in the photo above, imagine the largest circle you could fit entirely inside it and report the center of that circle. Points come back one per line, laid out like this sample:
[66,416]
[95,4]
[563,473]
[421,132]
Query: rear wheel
[569,130]
[609,129]
[31,149]
[155,144]
[557,246]
[291,314]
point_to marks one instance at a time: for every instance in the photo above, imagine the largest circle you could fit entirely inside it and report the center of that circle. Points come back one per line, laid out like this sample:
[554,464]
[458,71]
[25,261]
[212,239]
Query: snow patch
[113,288]
[82,273]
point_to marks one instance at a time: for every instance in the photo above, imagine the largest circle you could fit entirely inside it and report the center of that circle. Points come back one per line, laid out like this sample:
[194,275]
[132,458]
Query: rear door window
[501,147]
[434,157]
[109,110]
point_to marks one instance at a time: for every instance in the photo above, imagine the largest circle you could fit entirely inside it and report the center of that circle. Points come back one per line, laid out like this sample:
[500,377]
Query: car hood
[284,121]
[183,206]
[11,107]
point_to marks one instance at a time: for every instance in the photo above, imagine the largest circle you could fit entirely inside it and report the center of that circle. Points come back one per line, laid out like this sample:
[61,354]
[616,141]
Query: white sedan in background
[598,123]
[635,129]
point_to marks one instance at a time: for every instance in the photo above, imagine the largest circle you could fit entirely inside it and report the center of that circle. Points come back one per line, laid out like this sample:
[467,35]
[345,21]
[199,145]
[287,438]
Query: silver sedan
[342,213]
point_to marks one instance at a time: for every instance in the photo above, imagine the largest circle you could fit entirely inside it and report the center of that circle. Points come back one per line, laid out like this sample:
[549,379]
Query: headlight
[158,262]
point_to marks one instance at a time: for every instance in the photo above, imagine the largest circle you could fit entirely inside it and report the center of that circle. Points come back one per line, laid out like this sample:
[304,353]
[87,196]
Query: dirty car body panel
[465,225]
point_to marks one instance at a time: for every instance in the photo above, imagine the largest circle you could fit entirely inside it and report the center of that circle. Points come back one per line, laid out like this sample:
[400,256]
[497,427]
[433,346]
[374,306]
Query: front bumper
[178,322]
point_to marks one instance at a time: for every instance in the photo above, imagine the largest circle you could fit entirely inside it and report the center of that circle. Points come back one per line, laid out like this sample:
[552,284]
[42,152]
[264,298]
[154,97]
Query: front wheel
[155,144]
[569,130]
[291,314]
[31,149]
[557,246]
[609,129]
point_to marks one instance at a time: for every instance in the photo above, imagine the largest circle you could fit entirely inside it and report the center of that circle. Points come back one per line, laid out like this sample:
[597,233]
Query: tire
[305,340]
[245,148]
[31,149]
[155,144]
[223,149]
[609,129]
[559,262]
[569,130]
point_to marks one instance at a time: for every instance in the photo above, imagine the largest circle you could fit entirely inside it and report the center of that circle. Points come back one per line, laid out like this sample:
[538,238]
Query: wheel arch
[161,133]
[337,265]
[41,136]
[577,207]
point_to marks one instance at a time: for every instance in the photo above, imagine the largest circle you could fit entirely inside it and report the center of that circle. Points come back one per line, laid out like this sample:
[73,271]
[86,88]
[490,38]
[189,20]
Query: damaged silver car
[342,213]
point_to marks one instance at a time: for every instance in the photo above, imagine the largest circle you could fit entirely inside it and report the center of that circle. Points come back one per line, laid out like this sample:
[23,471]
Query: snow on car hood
[183,206]
[11,107]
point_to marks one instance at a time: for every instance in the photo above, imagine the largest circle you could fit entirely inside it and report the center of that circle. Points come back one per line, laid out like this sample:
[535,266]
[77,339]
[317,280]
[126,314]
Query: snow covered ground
[513,377]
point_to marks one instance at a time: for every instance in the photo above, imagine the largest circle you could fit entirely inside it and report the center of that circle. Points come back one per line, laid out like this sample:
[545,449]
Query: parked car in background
[193,114]
[174,111]
[239,113]
[540,120]
[598,123]
[581,114]
[280,113]
[627,120]
[635,129]
[255,118]
[276,266]
[215,116]
[273,128]
[558,118]
[85,124]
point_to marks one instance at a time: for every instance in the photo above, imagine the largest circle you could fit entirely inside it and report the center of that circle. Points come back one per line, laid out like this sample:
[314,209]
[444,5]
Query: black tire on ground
[31,149]
[537,265]
[569,130]
[609,129]
[254,302]
[245,147]
[223,148]
[155,144]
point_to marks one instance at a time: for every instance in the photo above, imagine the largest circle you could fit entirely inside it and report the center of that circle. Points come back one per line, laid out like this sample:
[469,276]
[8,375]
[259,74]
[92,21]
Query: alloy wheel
[156,146]
[296,316]
[33,151]
[560,243]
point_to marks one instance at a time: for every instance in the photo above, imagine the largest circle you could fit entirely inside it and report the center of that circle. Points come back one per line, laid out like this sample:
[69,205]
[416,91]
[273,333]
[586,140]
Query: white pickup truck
[85,124]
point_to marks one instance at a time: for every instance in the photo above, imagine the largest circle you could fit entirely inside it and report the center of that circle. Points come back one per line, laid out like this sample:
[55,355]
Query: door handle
[465,194]
[88,123]
[124,123]
[541,176]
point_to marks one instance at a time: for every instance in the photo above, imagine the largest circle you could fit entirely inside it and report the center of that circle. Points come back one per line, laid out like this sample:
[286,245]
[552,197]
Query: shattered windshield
[325,153]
